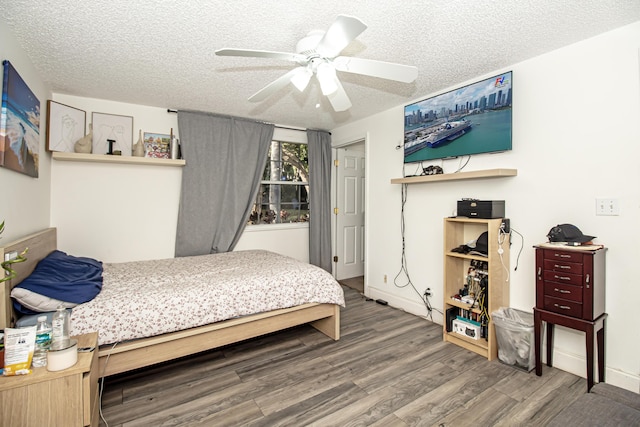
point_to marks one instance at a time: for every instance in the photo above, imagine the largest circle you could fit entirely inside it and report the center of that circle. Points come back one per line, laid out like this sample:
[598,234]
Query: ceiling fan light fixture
[317,53]
[327,77]
[301,79]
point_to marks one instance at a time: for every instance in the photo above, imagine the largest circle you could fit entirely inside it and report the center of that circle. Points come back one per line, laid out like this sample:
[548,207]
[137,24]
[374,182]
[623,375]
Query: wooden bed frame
[126,356]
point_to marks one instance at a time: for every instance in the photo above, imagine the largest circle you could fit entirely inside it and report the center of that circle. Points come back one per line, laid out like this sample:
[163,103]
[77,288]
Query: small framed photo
[157,145]
[65,126]
[112,127]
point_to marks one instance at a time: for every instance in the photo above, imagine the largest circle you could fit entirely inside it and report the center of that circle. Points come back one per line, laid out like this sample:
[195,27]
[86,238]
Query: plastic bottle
[60,326]
[43,343]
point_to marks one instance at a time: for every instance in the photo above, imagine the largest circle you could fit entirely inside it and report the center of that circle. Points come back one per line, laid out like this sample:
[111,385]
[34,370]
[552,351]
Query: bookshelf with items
[485,278]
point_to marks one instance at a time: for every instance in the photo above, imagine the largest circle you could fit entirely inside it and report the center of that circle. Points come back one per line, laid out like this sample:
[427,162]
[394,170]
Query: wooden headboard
[40,245]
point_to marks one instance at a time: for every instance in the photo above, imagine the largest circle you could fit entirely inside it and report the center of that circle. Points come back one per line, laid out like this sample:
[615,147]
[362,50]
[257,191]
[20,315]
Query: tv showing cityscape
[469,120]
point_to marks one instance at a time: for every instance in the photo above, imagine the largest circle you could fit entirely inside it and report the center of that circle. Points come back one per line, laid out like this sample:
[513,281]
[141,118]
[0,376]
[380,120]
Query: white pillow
[38,302]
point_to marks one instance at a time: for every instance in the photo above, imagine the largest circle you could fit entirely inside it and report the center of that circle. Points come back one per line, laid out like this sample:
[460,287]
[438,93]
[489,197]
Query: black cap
[482,244]
[568,233]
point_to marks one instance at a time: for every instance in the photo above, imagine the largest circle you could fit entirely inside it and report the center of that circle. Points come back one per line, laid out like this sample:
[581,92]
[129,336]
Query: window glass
[283,196]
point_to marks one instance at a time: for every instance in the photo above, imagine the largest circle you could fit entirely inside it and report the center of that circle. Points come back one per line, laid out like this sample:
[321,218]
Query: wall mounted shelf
[103,158]
[488,173]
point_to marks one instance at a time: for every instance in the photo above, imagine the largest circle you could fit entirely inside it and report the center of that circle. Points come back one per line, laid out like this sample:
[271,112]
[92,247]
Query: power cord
[501,238]
[416,173]
[403,261]
[102,384]
[460,167]
[521,247]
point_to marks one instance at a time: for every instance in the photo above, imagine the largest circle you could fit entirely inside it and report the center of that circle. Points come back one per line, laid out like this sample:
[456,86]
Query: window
[283,196]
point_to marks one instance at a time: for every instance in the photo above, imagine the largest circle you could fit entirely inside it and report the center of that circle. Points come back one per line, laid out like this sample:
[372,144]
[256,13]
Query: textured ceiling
[161,53]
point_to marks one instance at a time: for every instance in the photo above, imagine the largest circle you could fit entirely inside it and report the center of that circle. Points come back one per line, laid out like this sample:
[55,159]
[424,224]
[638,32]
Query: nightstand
[63,398]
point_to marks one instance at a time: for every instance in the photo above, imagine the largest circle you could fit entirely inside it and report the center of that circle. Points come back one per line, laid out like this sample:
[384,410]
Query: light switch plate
[608,207]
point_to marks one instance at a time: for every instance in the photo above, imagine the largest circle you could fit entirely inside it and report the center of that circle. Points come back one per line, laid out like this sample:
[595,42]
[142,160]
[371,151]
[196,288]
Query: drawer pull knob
[564,307]
[563,255]
[562,266]
[562,277]
[562,291]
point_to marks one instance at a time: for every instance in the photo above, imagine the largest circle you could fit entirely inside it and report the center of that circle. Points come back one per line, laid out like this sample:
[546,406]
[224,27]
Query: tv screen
[473,119]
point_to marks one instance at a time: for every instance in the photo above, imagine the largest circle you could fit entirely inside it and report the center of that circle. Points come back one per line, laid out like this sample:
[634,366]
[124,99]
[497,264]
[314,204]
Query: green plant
[6,265]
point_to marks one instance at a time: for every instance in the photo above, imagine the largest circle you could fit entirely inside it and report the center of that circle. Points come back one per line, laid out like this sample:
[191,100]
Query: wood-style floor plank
[390,369]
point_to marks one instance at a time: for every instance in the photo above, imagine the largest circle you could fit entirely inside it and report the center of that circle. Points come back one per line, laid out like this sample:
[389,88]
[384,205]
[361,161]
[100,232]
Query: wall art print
[65,126]
[19,124]
[115,127]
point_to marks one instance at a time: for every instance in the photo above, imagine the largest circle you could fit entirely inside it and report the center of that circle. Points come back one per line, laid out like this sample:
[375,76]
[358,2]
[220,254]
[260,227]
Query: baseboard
[578,366]
[413,307]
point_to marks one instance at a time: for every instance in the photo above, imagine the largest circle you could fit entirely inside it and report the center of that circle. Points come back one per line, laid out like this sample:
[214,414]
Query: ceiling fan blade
[339,99]
[274,86]
[342,32]
[370,67]
[252,53]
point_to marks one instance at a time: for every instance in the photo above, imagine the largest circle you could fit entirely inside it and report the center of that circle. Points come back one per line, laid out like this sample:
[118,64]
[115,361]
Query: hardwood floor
[390,368]
[356,283]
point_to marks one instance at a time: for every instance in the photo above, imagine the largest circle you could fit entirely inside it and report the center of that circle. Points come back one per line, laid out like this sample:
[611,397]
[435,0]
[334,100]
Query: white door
[350,212]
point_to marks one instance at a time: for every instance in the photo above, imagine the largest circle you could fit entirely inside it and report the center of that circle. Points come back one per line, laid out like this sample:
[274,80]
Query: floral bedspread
[146,298]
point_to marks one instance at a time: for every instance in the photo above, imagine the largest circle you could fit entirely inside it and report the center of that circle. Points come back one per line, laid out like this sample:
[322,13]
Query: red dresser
[570,291]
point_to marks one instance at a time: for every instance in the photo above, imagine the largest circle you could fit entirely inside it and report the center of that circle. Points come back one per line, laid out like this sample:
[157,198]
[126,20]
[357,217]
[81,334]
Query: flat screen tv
[473,119]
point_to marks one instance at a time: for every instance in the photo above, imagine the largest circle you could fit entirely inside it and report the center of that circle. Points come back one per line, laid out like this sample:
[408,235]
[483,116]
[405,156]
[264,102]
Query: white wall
[290,240]
[575,138]
[117,212]
[24,205]
[129,212]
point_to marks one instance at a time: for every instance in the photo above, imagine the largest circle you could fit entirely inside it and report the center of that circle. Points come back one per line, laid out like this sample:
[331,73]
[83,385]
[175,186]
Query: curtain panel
[319,149]
[225,158]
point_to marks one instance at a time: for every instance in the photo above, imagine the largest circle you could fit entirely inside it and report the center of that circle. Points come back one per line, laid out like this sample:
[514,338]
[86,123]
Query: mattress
[147,298]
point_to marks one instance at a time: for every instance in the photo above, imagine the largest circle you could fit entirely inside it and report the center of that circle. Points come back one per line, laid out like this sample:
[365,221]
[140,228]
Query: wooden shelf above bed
[103,158]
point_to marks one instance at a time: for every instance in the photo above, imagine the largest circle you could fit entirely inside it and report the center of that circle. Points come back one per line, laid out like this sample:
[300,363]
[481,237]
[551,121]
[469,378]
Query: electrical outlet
[505,226]
[607,207]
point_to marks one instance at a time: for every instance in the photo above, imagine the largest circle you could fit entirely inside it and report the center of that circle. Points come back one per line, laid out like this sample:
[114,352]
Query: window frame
[290,136]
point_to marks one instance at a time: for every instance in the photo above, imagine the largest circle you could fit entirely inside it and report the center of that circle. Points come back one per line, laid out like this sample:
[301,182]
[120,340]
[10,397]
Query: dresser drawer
[568,256]
[562,277]
[560,290]
[562,306]
[562,266]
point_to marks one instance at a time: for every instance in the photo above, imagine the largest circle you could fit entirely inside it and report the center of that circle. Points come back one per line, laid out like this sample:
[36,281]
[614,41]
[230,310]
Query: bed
[117,354]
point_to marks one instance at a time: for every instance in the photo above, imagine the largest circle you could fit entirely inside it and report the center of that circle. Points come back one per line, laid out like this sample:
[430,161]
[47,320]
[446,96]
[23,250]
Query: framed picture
[157,145]
[113,127]
[65,126]
[19,124]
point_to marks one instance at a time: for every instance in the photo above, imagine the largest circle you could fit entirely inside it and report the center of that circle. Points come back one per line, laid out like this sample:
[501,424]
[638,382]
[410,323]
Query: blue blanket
[66,278]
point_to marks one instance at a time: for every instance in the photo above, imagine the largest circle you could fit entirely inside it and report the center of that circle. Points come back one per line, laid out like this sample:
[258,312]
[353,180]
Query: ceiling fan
[317,54]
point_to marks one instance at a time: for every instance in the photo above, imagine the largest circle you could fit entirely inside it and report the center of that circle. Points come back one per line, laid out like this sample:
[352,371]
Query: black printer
[484,209]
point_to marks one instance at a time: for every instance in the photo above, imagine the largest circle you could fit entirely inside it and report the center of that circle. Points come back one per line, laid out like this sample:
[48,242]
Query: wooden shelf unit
[458,231]
[488,173]
[103,158]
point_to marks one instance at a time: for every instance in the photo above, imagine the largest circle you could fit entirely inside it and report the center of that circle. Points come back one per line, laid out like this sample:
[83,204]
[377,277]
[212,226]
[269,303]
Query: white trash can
[514,331]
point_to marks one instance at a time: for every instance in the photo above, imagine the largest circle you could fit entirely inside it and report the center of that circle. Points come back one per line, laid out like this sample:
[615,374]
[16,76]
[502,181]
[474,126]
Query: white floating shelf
[488,173]
[104,158]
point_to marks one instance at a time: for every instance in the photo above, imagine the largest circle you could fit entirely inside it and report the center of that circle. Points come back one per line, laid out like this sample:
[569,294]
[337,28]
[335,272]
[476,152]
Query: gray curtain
[319,149]
[225,158]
